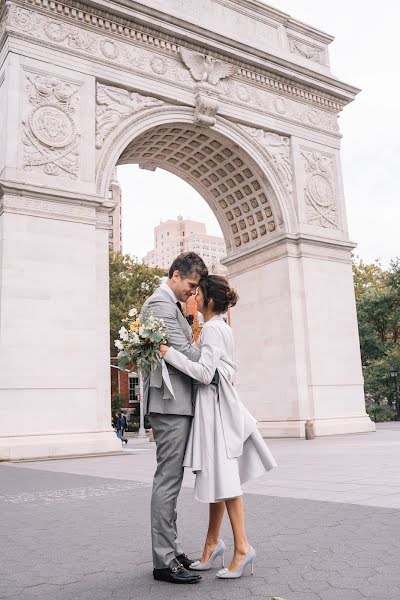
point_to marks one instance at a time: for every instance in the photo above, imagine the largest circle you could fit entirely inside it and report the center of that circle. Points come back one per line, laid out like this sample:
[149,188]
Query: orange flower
[134,326]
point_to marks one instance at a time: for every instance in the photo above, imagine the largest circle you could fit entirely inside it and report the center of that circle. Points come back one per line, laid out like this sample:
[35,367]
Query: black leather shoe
[185,560]
[175,573]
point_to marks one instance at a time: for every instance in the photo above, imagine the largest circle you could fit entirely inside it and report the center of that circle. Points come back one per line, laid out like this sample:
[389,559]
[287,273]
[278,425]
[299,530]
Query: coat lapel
[187,330]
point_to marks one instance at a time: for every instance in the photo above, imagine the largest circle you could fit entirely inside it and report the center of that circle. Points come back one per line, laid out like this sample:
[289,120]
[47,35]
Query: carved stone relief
[277,149]
[50,137]
[159,61]
[205,68]
[279,106]
[306,50]
[207,71]
[320,189]
[114,105]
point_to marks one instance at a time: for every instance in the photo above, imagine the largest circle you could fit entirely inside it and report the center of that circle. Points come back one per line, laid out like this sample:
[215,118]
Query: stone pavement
[325,525]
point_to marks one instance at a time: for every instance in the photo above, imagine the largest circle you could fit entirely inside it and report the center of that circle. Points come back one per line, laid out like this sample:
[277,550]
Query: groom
[171,417]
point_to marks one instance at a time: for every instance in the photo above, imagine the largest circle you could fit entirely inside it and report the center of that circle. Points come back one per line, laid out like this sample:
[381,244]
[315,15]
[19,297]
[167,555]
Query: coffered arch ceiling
[222,172]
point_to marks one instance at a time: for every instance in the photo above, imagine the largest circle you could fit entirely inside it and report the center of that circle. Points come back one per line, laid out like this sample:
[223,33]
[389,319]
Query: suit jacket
[156,396]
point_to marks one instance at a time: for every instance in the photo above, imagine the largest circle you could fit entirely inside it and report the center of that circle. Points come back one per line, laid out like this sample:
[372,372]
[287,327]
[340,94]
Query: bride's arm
[204,369]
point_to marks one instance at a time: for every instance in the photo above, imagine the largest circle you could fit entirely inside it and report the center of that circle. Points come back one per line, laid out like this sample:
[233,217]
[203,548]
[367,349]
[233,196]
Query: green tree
[379,386]
[131,283]
[378,310]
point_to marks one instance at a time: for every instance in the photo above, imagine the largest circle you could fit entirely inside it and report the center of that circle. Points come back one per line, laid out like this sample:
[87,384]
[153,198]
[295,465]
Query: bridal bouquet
[140,341]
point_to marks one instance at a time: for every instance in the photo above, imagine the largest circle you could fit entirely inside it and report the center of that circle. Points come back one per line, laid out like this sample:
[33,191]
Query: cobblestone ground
[66,536]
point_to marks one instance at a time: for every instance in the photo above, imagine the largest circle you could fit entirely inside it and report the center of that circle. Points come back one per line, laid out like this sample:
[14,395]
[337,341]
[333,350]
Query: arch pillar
[297,339]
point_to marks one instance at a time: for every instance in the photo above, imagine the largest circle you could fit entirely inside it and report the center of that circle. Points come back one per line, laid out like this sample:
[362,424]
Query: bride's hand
[163,350]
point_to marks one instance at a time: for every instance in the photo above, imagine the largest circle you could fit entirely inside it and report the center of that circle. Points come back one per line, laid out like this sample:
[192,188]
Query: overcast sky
[365,53]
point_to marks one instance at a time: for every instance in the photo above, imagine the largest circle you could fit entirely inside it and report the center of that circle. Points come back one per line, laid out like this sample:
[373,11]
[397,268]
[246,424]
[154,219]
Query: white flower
[135,339]
[118,344]
[133,312]
[123,334]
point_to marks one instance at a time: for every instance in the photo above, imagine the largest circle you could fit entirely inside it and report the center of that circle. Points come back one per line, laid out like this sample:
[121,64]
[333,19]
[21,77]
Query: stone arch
[226,164]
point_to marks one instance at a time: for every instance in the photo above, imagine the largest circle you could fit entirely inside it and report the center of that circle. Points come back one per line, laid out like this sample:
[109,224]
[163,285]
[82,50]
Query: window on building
[110,233]
[133,390]
[110,219]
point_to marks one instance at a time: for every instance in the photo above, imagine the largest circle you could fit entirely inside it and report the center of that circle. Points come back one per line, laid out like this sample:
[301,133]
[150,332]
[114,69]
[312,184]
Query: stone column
[297,305]
[54,376]
[54,348]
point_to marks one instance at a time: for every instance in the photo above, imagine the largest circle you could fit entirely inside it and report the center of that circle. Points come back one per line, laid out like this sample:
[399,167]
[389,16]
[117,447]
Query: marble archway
[252,127]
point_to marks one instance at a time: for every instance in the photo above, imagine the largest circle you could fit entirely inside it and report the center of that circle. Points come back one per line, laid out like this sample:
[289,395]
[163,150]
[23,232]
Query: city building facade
[173,237]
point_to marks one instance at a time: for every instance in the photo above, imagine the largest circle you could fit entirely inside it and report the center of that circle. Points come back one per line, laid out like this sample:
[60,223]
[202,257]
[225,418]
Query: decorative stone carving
[275,105]
[308,51]
[320,189]
[139,55]
[208,71]
[152,38]
[277,149]
[49,131]
[207,105]
[114,105]
[206,68]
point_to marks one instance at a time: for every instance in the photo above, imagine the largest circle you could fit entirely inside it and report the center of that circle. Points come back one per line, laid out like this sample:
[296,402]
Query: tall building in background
[174,237]
[115,217]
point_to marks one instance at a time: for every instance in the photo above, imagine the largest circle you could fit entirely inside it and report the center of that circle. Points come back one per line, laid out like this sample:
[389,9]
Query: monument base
[30,447]
[296,428]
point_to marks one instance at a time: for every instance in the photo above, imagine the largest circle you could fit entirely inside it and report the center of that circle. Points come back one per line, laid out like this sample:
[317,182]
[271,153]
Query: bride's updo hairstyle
[216,288]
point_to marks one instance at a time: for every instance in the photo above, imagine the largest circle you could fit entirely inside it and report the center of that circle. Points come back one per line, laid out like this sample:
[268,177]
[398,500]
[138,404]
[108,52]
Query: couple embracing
[202,425]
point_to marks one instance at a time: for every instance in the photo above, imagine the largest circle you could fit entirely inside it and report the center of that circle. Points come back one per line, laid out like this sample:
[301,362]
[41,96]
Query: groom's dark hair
[187,264]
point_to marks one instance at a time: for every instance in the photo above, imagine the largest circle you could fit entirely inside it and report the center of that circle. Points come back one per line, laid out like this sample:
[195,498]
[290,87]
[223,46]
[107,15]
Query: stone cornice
[289,246]
[140,35]
[17,188]
[52,207]
[180,30]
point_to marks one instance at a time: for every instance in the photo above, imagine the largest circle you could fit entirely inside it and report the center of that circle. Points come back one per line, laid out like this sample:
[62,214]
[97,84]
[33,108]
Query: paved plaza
[325,525]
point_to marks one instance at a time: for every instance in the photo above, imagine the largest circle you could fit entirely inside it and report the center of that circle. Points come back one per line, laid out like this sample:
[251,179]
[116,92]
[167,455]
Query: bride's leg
[235,508]
[217,510]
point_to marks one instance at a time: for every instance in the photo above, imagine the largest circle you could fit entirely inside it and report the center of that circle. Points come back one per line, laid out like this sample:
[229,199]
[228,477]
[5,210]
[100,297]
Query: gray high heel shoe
[219,550]
[248,560]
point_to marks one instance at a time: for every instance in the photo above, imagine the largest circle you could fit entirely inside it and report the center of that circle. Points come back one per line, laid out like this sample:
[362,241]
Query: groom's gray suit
[170,418]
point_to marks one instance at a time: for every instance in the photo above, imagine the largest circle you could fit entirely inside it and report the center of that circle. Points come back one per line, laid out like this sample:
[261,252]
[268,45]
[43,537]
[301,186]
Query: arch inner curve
[227,178]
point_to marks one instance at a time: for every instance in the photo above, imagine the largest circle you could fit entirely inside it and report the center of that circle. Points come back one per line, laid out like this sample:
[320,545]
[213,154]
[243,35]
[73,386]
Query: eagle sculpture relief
[206,68]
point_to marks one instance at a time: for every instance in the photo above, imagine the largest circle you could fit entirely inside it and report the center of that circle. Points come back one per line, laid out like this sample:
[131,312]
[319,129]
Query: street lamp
[393,372]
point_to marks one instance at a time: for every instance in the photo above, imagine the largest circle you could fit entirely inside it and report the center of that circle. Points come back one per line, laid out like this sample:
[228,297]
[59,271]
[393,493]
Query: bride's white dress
[225,448]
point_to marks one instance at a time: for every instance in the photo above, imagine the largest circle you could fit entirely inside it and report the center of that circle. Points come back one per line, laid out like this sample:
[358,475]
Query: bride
[225,448]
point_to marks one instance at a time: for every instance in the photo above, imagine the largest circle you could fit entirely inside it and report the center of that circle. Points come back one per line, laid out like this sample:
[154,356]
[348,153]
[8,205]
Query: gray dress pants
[170,434]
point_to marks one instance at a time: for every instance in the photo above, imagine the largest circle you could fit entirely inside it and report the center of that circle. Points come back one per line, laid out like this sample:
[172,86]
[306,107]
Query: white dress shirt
[165,286]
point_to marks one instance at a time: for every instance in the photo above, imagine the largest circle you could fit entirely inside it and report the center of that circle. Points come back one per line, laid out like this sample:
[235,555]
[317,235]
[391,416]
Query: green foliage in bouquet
[140,341]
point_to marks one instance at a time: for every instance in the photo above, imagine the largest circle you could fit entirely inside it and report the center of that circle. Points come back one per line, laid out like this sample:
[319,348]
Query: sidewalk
[325,525]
